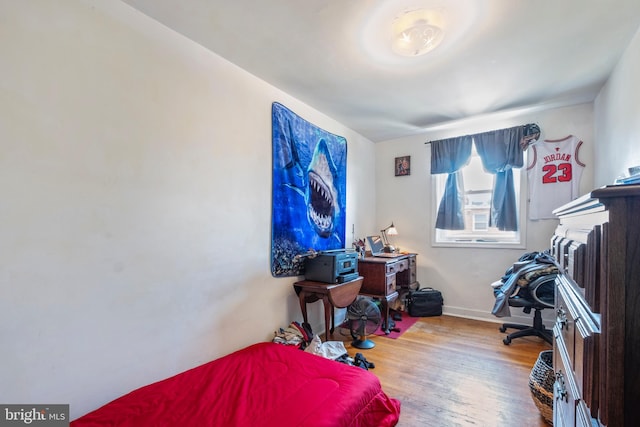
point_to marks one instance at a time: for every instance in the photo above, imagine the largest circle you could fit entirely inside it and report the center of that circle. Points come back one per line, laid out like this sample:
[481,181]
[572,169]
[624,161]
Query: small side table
[333,295]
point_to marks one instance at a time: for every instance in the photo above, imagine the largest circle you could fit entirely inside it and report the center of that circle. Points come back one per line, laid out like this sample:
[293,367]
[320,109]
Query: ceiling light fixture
[416,32]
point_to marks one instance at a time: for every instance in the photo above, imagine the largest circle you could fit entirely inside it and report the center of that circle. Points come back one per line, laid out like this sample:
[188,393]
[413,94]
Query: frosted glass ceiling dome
[416,32]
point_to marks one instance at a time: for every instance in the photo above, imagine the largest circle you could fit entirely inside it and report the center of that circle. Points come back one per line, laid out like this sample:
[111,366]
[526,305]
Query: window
[478,189]
[480,222]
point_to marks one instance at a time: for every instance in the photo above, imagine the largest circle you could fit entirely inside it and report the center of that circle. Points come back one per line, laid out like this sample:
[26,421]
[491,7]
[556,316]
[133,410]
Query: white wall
[464,274]
[135,173]
[617,113]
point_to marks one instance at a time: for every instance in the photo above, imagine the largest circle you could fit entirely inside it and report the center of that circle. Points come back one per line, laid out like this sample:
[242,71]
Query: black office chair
[537,296]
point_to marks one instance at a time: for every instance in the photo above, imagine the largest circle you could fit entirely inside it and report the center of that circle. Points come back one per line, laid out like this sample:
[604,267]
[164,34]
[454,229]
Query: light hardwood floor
[449,371]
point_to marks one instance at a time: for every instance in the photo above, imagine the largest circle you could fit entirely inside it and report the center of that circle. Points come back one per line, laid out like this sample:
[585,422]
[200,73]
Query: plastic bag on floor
[330,349]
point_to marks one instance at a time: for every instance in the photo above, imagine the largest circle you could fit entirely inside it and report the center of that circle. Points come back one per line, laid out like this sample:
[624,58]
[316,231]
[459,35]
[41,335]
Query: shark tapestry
[309,186]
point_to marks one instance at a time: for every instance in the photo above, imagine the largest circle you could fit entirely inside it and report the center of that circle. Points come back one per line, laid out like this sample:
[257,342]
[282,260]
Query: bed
[266,384]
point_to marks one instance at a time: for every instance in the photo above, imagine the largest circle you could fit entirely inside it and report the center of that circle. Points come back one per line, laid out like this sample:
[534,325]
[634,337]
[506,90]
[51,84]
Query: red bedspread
[266,384]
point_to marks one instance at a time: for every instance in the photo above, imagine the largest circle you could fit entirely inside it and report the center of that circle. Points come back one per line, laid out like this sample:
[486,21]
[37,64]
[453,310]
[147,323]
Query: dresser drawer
[576,261]
[391,283]
[579,329]
[564,391]
[398,266]
[413,278]
[412,261]
[565,323]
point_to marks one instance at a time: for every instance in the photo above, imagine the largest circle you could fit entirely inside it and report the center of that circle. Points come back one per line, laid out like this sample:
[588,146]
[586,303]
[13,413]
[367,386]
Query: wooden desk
[384,276]
[333,295]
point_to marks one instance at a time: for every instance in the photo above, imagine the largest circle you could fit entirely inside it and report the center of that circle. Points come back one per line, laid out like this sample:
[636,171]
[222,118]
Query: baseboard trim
[547,316]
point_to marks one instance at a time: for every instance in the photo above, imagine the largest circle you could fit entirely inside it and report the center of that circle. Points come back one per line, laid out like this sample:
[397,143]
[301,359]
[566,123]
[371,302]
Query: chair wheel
[506,341]
[503,329]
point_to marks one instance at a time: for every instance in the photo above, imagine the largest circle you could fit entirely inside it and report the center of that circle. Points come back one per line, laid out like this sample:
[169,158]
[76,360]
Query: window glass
[480,221]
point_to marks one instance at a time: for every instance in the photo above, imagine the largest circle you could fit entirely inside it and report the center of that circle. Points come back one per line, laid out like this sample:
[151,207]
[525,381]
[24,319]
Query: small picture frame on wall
[403,166]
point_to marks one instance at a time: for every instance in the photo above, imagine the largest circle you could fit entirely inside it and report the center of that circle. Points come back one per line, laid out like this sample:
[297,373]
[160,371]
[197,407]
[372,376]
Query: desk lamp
[386,232]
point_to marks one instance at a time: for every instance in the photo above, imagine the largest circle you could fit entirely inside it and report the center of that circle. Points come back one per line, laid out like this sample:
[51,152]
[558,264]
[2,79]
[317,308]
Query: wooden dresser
[597,330]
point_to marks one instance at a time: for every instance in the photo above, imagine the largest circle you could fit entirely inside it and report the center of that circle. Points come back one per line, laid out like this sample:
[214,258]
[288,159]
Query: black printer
[336,266]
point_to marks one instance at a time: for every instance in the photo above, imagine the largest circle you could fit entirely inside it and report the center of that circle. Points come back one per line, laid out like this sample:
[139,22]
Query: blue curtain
[448,156]
[500,151]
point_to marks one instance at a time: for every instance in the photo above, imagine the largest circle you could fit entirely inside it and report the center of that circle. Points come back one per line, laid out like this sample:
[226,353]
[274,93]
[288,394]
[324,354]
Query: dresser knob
[561,391]
[561,318]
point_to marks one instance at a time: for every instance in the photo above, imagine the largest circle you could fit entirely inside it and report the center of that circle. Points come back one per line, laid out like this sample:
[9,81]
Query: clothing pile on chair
[528,268]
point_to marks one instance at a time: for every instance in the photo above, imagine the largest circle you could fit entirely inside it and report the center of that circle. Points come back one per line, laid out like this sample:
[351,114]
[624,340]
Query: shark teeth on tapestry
[308,189]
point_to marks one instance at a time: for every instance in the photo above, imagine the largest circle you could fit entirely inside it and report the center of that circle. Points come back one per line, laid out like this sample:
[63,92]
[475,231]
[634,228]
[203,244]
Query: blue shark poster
[309,191]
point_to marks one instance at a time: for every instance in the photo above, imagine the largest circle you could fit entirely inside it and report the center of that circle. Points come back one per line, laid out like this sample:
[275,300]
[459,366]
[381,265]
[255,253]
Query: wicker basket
[541,382]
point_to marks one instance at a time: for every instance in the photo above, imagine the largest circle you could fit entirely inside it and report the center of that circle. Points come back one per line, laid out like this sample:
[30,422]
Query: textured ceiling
[498,56]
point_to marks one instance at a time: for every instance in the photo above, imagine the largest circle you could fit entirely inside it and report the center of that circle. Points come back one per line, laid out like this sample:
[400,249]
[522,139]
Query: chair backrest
[543,289]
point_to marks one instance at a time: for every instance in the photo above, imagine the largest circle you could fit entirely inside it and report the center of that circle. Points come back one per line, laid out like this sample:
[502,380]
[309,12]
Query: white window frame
[482,243]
